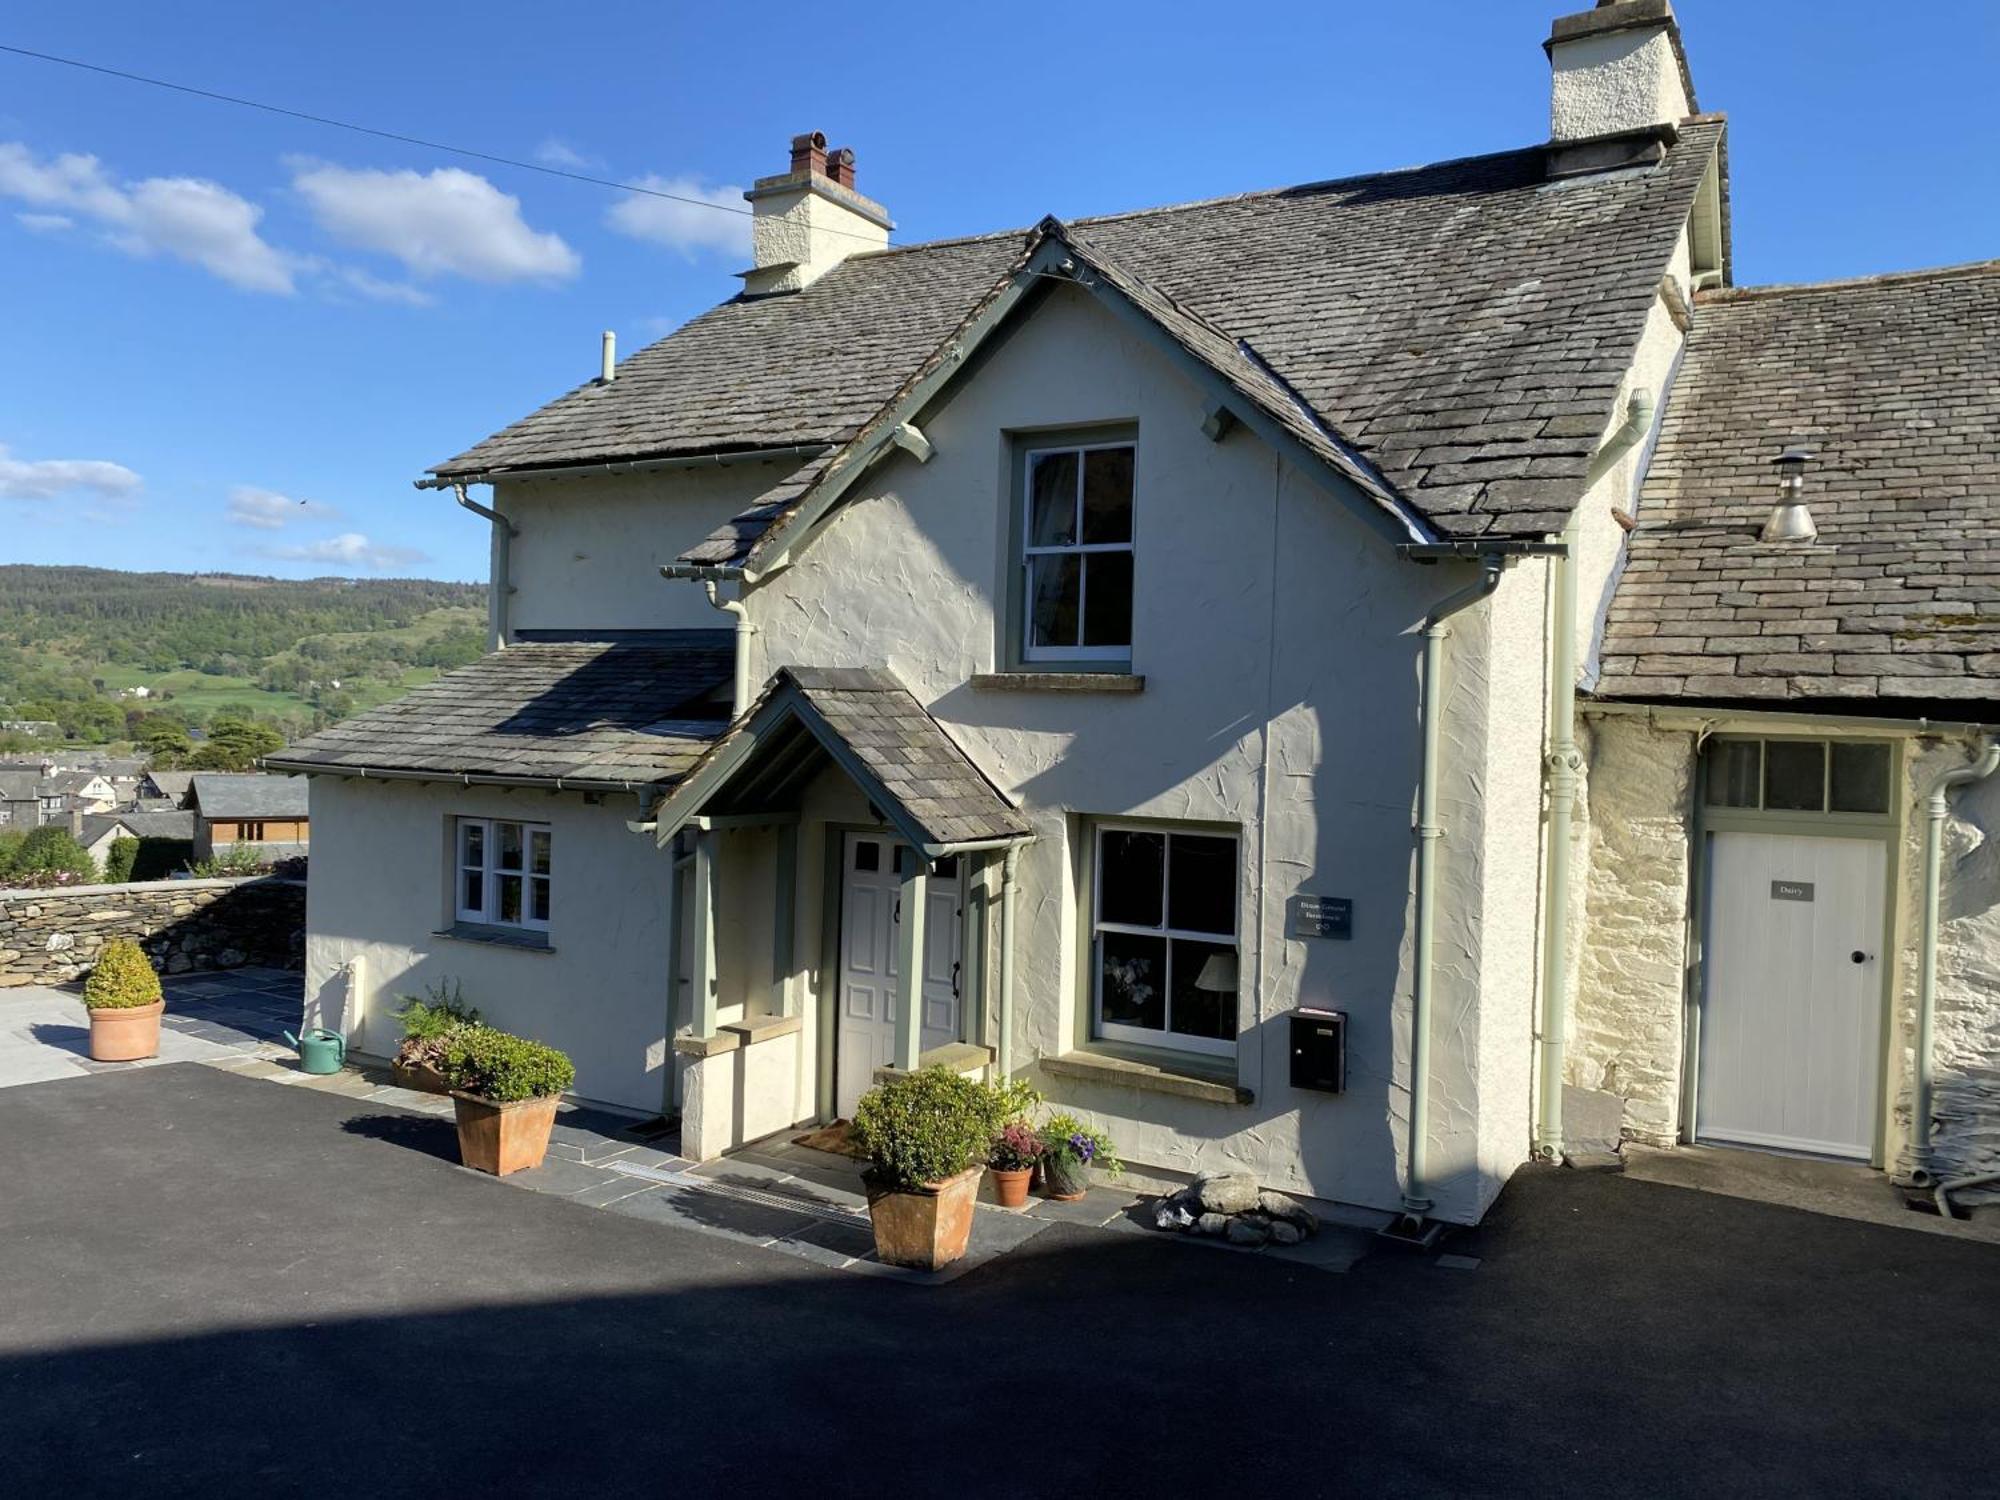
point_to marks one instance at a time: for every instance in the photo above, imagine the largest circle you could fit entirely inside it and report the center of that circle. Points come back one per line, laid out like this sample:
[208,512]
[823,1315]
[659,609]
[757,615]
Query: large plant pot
[125,1033]
[1063,1179]
[1010,1185]
[503,1138]
[928,1227]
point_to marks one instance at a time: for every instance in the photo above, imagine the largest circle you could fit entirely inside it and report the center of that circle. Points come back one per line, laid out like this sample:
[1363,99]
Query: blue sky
[209,315]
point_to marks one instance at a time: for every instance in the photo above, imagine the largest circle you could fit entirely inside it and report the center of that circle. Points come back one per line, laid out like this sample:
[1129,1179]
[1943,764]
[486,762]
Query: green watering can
[319,1051]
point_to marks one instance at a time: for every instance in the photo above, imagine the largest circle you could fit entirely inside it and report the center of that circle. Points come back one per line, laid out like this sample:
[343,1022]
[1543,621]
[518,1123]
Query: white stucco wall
[379,891]
[1966,1022]
[1619,80]
[1280,642]
[590,549]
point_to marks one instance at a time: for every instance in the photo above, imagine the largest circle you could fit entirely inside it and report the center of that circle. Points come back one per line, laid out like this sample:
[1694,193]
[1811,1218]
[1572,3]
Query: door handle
[1857,956]
[954,978]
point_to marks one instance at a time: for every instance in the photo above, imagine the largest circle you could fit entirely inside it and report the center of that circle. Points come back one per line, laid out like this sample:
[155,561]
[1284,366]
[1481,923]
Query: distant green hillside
[295,653]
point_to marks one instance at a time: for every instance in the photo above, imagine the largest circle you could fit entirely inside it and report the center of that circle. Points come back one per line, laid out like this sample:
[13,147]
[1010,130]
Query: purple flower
[1083,1147]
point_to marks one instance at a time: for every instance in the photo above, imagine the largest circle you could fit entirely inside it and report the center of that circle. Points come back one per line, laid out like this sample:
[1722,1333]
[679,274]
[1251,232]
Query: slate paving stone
[1095,1207]
[561,1178]
[691,1208]
[849,1241]
[610,1191]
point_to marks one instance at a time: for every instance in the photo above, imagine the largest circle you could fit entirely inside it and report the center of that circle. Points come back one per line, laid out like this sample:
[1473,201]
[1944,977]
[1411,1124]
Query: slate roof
[20,786]
[172,784]
[1895,382]
[248,794]
[929,787]
[587,714]
[141,825]
[1462,328]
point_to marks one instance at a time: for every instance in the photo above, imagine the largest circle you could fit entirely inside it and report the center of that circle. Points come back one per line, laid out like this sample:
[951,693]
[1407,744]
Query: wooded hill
[75,644]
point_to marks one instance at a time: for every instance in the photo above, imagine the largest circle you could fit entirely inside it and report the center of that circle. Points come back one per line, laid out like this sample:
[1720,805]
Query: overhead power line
[386,135]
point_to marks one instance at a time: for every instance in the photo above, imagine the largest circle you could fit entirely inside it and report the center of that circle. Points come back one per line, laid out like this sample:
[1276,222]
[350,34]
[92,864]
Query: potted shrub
[1016,1150]
[430,1026]
[123,996]
[927,1135]
[504,1090]
[1070,1149]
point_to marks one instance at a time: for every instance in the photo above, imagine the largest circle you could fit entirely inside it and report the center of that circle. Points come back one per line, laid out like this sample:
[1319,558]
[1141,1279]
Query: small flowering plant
[1016,1148]
[1068,1142]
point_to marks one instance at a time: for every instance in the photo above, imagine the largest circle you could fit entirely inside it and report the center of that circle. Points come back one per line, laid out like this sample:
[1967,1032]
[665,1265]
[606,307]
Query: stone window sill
[1058,682]
[763,1028]
[496,937]
[1183,1080]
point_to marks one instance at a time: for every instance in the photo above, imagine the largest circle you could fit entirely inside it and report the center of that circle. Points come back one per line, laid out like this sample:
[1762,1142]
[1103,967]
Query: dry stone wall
[53,936]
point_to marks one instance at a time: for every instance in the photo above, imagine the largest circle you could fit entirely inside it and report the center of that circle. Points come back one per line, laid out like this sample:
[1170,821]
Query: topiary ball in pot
[504,1091]
[124,1000]
[123,978]
[927,1134]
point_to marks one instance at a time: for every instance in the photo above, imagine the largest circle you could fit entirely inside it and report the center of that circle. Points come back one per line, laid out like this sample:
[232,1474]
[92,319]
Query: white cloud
[349,550]
[557,153]
[45,223]
[446,222]
[267,510]
[189,218]
[686,227]
[375,289]
[46,478]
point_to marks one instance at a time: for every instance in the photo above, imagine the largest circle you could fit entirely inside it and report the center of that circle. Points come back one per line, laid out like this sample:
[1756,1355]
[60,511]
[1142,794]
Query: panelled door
[1790,1034]
[870,916]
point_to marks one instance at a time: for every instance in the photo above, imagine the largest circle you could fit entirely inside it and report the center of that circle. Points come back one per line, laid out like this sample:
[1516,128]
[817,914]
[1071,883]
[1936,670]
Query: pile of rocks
[1230,1206]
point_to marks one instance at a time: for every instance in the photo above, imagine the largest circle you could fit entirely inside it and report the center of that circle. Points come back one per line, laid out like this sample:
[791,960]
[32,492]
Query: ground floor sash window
[504,873]
[1163,938]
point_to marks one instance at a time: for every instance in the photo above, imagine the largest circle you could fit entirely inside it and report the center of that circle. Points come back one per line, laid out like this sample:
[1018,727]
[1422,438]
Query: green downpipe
[1010,865]
[1417,1201]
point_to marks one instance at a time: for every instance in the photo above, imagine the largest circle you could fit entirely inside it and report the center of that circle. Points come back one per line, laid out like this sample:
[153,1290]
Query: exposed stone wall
[1965,1101]
[51,936]
[1626,1018]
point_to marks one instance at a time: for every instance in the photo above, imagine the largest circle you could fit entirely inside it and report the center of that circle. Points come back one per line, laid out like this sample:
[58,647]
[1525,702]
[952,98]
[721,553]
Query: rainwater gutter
[1417,1202]
[499,574]
[1938,809]
[627,466]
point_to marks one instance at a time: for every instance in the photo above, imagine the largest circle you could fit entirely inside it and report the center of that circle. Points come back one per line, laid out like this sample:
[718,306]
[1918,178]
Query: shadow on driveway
[265,1303]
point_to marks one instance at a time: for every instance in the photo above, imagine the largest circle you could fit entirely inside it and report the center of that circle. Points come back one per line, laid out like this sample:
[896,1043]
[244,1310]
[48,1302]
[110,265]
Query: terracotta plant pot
[1064,1180]
[421,1077]
[928,1227]
[503,1138]
[125,1033]
[1010,1185]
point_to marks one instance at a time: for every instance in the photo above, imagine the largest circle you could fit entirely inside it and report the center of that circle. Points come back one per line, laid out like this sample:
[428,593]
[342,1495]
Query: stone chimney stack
[809,219]
[1618,67]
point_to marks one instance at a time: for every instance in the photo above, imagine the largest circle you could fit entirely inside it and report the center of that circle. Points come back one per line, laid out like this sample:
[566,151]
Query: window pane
[510,845]
[474,835]
[1132,982]
[538,900]
[507,890]
[1200,1010]
[1860,777]
[1052,500]
[1128,878]
[1107,495]
[473,884]
[1202,884]
[1734,767]
[1054,580]
[867,855]
[1794,775]
[538,851]
[1107,599]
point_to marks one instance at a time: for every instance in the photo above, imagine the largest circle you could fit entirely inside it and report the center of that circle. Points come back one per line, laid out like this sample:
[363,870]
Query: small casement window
[1076,553]
[503,873]
[1799,776]
[1163,938]
[250,832]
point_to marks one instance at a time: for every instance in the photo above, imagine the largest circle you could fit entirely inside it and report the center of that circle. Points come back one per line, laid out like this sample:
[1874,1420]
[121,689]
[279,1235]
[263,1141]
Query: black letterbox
[1319,1049]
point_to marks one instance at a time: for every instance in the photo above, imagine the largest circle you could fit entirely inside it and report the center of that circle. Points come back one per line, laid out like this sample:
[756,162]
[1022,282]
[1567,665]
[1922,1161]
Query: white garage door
[1790,1037]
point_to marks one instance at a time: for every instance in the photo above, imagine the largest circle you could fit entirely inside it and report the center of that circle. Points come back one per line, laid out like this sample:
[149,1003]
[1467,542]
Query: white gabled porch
[838,860]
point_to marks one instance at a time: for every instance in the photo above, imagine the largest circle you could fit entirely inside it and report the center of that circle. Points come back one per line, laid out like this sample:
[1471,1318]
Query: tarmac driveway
[212,1285]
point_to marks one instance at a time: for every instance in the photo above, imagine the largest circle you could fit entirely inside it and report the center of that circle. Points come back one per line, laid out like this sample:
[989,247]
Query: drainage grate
[817,1207]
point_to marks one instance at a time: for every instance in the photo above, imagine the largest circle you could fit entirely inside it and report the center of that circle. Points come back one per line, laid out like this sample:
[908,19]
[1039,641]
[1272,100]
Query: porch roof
[865,721]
